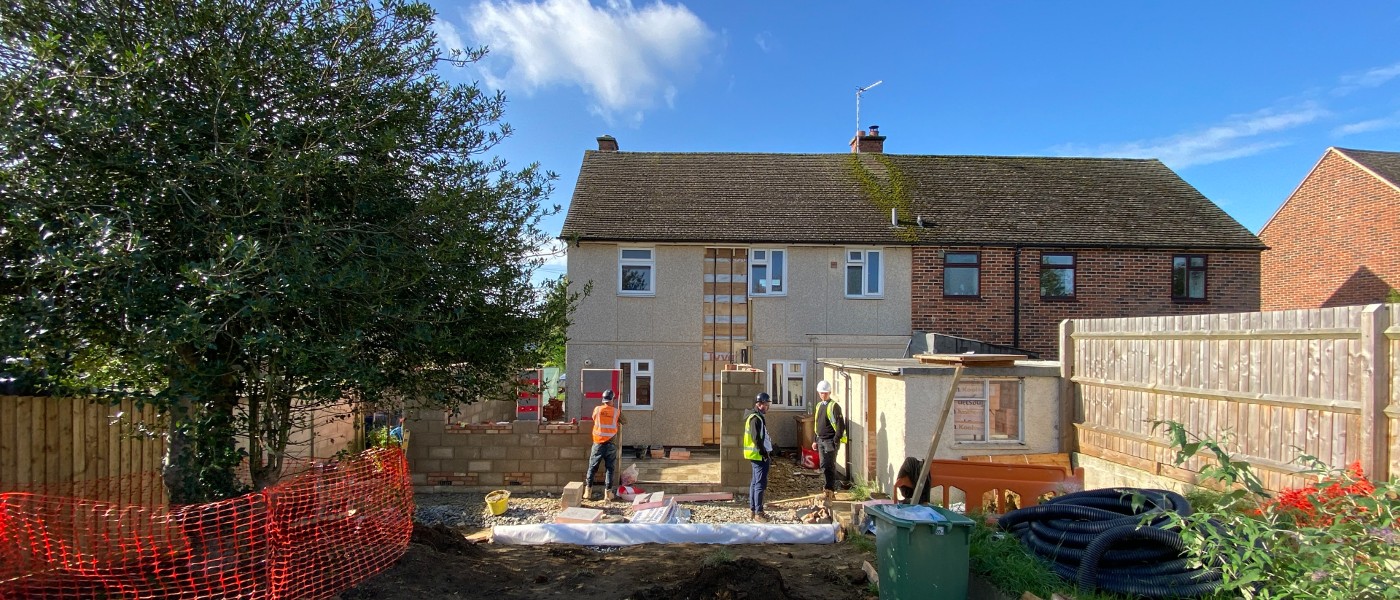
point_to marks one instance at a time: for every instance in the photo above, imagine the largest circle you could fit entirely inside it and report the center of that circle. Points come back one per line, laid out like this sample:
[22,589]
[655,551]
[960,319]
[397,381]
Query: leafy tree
[241,209]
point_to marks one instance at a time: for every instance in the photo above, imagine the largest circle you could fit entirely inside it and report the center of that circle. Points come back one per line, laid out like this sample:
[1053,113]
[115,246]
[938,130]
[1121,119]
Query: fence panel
[1273,386]
[55,441]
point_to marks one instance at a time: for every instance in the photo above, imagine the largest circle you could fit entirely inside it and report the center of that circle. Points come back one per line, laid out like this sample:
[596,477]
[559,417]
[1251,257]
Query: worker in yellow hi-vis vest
[830,427]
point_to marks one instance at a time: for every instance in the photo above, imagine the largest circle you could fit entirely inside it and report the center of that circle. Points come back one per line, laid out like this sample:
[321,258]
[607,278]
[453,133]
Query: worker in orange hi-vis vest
[606,419]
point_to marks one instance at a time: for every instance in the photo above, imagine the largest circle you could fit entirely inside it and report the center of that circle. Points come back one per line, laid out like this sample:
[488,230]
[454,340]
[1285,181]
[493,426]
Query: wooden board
[971,360]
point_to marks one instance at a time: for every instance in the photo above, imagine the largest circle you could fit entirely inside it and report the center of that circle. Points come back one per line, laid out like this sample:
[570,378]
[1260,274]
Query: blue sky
[1240,98]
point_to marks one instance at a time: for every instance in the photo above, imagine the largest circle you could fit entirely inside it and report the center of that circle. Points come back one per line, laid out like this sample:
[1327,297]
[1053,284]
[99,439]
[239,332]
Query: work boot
[608,496]
[587,492]
[759,517]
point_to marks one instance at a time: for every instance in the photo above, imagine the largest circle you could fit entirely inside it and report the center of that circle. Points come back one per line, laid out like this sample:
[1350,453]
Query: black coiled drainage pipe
[1101,540]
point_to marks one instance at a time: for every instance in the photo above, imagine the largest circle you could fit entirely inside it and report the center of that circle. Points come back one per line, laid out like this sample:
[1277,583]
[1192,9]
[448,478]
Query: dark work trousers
[758,484]
[605,453]
[827,449]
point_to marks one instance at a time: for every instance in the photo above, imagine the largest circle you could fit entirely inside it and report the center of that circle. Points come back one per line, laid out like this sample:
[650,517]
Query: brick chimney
[868,143]
[607,143]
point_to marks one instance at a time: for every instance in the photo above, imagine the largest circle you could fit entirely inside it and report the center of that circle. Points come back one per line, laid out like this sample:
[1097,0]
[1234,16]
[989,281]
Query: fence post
[1069,401]
[1375,392]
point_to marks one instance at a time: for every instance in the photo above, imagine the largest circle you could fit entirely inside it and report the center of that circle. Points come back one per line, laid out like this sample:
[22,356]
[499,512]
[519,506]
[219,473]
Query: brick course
[520,456]
[1335,240]
[1109,283]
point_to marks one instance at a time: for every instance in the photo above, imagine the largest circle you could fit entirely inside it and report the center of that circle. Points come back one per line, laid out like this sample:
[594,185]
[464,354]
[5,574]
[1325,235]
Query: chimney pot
[868,143]
[607,143]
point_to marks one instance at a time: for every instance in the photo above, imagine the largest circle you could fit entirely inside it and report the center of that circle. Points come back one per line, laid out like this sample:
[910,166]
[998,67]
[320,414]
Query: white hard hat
[823,387]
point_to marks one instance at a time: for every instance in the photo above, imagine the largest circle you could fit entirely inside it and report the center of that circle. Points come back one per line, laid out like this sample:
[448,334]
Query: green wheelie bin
[921,551]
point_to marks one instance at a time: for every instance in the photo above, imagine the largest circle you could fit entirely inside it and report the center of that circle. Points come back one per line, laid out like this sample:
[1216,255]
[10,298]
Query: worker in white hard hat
[830,427]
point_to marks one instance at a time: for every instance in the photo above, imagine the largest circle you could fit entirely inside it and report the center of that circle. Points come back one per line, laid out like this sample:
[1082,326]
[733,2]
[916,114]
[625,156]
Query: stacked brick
[521,455]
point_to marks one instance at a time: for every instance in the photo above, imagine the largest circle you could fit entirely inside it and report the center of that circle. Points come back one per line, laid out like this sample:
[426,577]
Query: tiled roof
[972,200]
[1384,164]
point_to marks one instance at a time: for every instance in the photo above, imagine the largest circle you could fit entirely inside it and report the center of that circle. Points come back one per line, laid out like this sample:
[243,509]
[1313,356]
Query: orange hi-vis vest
[605,423]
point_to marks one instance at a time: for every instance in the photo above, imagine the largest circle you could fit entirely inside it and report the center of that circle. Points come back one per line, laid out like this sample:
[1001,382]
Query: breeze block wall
[524,456]
[1109,283]
[1334,241]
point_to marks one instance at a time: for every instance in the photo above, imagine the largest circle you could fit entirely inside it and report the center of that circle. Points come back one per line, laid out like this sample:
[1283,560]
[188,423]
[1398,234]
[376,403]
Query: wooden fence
[1274,385]
[50,444]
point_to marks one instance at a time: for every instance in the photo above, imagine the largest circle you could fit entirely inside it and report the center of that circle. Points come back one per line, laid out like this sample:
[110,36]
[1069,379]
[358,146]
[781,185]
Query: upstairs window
[768,272]
[962,274]
[636,383]
[787,383]
[1189,277]
[636,269]
[863,275]
[1056,275]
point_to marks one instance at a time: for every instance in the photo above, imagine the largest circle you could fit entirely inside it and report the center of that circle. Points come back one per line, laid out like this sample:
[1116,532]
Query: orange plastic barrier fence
[310,536]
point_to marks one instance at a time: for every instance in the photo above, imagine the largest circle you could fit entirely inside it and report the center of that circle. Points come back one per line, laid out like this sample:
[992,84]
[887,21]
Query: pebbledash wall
[446,454]
[1109,283]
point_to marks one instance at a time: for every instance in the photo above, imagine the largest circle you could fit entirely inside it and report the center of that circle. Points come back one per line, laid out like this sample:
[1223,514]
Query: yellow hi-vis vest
[830,418]
[751,449]
[605,423]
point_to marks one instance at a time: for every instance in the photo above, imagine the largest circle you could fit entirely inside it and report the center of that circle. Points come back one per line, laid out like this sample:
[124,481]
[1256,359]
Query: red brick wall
[1335,242]
[1108,283]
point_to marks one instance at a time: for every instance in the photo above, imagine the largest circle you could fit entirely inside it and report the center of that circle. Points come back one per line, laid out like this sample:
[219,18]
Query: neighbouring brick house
[702,259]
[1336,240]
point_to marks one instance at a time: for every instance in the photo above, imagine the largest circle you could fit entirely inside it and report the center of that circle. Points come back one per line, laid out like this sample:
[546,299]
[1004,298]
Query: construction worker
[758,448]
[830,426]
[606,419]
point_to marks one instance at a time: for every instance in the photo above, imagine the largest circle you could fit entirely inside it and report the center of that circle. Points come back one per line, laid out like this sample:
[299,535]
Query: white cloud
[1237,136]
[1372,78]
[764,40]
[1368,126]
[448,37]
[625,58]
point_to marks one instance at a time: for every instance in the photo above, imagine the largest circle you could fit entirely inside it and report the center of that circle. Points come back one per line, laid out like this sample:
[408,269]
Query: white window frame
[767,261]
[624,261]
[631,370]
[790,369]
[861,257]
[986,411]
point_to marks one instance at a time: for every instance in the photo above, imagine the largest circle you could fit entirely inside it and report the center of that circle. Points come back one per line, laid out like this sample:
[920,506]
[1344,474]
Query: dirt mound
[732,580]
[444,539]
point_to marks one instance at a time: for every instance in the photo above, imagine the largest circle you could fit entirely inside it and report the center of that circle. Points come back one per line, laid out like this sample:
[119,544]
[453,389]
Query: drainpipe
[1016,297]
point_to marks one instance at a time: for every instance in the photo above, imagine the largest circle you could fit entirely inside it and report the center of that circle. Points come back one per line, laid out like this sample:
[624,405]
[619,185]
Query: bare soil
[441,563]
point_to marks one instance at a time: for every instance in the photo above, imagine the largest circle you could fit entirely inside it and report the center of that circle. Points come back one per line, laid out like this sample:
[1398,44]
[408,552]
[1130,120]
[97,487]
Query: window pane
[1179,278]
[758,281]
[1178,262]
[1198,284]
[1004,410]
[854,256]
[1198,261]
[760,255]
[626,392]
[960,281]
[853,280]
[643,390]
[1057,259]
[793,393]
[775,284]
[969,406]
[872,273]
[960,258]
[636,278]
[637,253]
[643,367]
[1057,282]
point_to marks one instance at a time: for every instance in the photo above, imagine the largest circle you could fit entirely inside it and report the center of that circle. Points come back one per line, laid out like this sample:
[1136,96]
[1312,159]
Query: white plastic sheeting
[627,534]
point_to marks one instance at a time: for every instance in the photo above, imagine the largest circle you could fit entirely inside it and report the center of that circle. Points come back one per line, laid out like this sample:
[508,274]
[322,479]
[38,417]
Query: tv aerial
[860,91]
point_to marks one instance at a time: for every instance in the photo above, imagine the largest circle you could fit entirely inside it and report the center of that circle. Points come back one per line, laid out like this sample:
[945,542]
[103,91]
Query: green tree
[240,209]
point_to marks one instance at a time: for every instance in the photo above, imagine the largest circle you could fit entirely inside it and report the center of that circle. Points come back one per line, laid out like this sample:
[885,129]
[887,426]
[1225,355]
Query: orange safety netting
[310,536]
